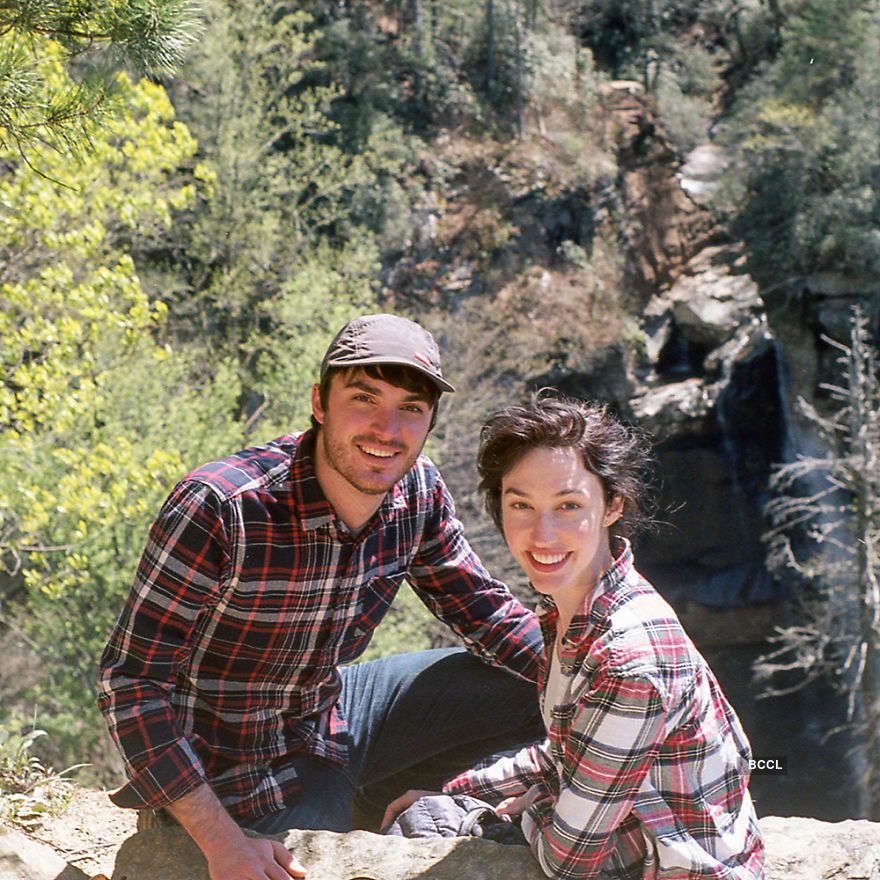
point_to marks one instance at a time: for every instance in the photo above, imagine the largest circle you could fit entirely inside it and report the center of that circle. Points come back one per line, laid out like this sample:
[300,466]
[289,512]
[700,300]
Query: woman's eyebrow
[574,490]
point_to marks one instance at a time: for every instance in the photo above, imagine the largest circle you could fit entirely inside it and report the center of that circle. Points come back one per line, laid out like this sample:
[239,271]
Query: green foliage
[97,416]
[28,788]
[277,254]
[804,189]
[822,43]
[408,626]
[151,35]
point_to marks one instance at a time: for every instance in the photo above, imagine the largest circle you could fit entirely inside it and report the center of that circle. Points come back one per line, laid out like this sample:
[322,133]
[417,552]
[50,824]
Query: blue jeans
[414,720]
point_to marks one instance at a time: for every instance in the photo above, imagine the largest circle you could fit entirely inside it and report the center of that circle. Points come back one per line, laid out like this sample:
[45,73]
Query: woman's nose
[544,529]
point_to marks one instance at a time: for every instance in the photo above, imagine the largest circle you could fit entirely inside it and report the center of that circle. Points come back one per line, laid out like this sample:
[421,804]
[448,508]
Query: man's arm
[450,579]
[179,573]
[230,853]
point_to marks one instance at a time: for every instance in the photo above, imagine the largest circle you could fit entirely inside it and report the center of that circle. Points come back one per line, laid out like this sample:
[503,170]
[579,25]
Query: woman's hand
[398,805]
[516,806]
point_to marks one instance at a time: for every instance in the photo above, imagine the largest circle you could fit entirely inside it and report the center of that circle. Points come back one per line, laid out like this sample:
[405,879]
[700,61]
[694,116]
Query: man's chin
[375,486]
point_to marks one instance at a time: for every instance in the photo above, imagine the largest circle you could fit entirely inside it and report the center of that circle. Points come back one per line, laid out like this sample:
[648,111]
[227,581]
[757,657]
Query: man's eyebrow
[362,384]
[374,389]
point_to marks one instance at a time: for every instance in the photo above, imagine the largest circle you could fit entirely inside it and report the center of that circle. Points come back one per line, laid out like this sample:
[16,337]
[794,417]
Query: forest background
[176,250]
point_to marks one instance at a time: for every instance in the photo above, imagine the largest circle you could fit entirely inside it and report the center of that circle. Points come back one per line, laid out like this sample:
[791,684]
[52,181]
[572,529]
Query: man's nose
[386,422]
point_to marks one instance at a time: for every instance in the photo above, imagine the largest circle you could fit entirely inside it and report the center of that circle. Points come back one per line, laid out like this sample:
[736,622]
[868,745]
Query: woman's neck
[568,605]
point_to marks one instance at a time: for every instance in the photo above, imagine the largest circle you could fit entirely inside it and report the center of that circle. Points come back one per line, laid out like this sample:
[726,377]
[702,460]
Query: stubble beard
[336,456]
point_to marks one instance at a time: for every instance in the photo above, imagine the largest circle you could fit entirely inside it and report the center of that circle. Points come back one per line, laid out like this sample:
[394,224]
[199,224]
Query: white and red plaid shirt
[645,770]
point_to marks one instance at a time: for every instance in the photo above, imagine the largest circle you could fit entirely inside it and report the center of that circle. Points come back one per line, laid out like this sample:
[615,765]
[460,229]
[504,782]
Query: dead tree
[825,532]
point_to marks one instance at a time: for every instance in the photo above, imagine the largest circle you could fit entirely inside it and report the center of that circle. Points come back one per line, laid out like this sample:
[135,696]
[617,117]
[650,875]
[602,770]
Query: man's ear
[613,511]
[317,409]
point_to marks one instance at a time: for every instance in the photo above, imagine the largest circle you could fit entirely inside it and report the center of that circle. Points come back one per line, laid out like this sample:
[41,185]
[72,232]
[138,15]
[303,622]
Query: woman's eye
[571,505]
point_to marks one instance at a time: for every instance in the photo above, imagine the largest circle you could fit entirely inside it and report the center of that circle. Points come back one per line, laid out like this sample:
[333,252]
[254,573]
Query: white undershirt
[555,690]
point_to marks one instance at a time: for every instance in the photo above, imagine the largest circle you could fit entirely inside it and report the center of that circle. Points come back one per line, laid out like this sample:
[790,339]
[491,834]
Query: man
[262,573]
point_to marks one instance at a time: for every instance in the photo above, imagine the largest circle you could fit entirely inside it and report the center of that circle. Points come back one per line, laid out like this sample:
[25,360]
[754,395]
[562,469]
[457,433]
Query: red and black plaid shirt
[248,596]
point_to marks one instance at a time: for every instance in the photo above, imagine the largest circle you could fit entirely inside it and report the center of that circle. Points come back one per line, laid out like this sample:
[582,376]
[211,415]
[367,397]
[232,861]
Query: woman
[644,773]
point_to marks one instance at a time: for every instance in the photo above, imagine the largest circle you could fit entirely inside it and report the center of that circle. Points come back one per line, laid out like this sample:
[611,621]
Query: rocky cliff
[604,273]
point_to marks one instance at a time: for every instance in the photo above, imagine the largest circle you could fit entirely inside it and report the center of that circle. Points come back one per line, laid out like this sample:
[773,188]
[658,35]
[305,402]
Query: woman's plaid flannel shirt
[645,770]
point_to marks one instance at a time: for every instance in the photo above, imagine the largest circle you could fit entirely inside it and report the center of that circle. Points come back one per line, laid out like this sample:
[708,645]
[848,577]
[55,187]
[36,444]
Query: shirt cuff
[460,784]
[535,817]
[174,773]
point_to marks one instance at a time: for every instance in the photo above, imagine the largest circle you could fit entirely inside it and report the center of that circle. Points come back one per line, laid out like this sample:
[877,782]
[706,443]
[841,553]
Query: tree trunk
[778,20]
[490,47]
[863,384]
[519,66]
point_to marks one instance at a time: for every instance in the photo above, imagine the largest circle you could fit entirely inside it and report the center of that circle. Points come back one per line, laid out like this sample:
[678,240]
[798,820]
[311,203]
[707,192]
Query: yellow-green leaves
[98,416]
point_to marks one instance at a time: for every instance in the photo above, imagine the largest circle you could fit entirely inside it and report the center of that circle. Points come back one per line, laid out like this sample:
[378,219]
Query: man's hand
[516,806]
[398,805]
[231,854]
[253,858]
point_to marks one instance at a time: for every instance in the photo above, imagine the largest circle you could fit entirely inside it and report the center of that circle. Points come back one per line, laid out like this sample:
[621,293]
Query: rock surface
[807,849]
[24,859]
[360,855]
[797,849]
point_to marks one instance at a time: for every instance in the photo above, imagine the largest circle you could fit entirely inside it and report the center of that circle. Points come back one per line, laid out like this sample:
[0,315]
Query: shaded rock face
[797,849]
[325,855]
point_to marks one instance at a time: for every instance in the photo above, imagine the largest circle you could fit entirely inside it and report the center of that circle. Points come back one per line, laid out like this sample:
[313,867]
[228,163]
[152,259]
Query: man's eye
[571,505]
[415,408]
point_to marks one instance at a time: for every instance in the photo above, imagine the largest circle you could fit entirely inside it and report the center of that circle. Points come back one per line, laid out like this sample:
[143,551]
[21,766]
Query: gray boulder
[807,849]
[797,849]
[169,854]
[24,859]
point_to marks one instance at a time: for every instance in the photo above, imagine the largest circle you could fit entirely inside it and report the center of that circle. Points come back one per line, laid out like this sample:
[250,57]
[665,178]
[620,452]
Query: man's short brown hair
[398,375]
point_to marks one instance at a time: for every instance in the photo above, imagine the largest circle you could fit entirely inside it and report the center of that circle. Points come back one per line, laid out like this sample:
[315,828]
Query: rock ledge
[797,849]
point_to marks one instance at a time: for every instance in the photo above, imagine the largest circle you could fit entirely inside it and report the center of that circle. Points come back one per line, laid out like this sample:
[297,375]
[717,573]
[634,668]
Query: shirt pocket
[374,601]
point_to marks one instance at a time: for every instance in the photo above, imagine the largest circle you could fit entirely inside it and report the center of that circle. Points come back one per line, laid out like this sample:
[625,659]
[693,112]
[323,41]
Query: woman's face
[556,522]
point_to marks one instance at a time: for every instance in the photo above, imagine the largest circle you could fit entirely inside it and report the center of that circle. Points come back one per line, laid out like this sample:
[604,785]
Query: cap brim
[442,384]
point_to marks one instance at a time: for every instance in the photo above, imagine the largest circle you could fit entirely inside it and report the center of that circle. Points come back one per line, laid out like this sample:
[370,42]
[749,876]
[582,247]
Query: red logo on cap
[420,357]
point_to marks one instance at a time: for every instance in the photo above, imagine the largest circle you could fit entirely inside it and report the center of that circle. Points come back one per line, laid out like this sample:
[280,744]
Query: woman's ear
[613,511]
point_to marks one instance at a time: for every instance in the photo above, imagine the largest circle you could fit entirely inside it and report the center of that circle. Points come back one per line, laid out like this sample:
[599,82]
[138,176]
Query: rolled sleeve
[509,776]
[179,573]
[167,777]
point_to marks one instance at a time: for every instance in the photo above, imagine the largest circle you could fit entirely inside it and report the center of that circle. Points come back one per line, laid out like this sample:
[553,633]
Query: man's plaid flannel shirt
[248,596]
[645,770]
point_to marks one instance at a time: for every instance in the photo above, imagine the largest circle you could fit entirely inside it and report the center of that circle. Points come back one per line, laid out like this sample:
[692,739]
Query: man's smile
[376,451]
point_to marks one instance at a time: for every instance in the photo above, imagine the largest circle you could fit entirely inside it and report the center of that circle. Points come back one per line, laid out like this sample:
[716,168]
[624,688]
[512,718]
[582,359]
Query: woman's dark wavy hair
[620,456]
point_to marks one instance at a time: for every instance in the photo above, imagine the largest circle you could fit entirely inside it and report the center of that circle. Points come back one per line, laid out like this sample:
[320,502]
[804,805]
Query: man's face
[371,431]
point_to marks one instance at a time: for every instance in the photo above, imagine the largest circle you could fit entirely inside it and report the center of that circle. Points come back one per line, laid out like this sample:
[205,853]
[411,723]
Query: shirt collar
[310,505]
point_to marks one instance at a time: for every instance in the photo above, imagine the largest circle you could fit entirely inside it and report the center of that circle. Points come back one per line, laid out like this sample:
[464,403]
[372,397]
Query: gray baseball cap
[386,339]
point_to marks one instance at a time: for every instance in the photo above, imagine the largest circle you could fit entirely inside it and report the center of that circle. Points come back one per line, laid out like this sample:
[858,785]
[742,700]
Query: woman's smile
[556,520]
